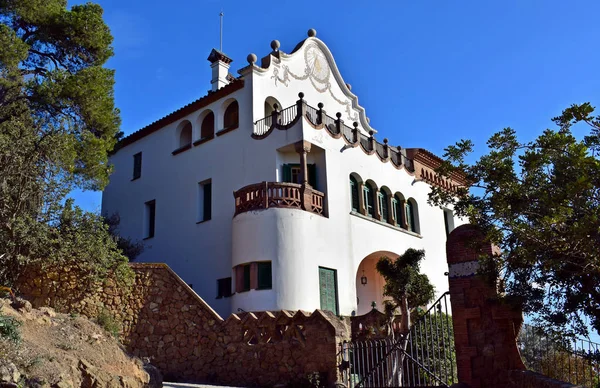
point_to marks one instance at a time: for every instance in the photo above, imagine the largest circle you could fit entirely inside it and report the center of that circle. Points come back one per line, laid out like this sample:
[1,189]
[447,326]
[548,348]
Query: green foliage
[311,380]
[408,288]
[9,329]
[109,323]
[57,124]
[130,248]
[538,201]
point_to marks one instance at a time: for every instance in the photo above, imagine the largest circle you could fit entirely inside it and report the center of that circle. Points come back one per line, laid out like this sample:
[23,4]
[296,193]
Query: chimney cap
[216,55]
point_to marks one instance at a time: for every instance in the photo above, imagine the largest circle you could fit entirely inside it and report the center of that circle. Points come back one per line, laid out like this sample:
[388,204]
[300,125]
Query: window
[150,218]
[264,275]
[397,210]
[137,165]
[410,216]
[207,129]
[383,206]
[292,174]
[185,136]
[246,277]
[223,288]
[448,221]
[328,289]
[204,201]
[368,192]
[231,117]
[354,193]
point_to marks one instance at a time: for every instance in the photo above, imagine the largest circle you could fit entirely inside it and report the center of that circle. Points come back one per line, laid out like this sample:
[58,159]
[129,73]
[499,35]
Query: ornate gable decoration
[320,69]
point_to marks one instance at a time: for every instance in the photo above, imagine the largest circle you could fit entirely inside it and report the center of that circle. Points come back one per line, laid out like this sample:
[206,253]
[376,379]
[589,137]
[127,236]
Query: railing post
[320,113]
[274,116]
[355,132]
[301,105]
[338,123]
[386,149]
[371,141]
[265,195]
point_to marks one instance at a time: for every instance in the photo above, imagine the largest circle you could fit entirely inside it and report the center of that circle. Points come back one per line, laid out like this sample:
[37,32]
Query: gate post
[485,331]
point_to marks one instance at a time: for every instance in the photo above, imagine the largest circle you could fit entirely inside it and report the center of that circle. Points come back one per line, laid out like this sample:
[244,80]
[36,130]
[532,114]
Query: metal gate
[424,358]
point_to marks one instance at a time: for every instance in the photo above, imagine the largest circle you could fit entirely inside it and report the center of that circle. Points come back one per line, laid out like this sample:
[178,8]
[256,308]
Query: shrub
[9,328]
[109,323]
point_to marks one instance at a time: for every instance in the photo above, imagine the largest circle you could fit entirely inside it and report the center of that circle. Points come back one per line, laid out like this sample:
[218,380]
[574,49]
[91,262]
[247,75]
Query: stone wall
[165,320]
[529,379]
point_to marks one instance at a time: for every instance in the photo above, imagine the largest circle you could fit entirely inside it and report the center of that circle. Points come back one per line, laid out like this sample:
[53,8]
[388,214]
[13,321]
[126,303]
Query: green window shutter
[368,197]
[265,276]
[410,218]
[354,193]
[287,173]
[207,206]
[328,289]
[383,206]
[246,278]
[395,211]
[312,175]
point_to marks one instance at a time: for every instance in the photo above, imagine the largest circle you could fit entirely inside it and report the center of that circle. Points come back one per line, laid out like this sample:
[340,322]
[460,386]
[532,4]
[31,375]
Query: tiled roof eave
[208,99]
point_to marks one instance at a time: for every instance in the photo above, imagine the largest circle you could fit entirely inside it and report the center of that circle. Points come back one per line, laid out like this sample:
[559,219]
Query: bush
[109,323]
[9,329]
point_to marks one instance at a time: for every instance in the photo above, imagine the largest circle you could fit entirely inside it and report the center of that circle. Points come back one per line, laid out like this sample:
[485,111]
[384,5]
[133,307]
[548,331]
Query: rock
[155,376]
[21,304]
[9,373]
[8,385]
[48,311]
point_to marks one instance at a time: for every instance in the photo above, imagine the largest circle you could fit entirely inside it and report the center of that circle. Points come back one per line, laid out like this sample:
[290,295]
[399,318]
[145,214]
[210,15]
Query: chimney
[219,63]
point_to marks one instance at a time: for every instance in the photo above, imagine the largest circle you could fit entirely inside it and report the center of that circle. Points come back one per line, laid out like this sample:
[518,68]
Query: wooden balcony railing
[265,195]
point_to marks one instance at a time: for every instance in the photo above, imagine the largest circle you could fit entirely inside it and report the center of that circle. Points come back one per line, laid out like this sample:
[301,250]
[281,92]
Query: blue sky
[427,72]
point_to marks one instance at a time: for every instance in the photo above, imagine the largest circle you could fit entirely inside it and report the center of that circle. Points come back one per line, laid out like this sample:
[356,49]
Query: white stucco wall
[297,242]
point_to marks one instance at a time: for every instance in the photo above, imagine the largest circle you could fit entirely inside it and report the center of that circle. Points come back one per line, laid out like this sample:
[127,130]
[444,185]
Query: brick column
[303,148]
[485,330]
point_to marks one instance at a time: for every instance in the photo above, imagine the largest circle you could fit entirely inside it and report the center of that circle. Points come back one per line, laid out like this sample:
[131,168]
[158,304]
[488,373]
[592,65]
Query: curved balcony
[266,195]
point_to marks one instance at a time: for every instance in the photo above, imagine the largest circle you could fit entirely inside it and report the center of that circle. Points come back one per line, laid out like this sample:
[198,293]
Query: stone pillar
[376,208]
[485,331]
[362,208]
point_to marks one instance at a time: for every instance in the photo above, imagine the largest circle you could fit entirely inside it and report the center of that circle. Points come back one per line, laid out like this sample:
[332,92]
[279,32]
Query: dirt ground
[67,351]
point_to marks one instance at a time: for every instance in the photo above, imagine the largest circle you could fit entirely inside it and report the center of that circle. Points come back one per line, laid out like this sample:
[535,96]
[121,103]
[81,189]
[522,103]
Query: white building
[205,187]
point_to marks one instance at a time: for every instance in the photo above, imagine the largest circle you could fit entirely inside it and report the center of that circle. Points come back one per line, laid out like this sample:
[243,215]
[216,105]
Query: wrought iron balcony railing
[266,195]
[286,118]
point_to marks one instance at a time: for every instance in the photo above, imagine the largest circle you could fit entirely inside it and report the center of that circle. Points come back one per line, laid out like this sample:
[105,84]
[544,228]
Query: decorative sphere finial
[312,33]
[355,124]
[275,45]
[368,120]
[251,58]
[349,86]
[338,115]
[371,133]
[320,105]
[385,140]
[301,95]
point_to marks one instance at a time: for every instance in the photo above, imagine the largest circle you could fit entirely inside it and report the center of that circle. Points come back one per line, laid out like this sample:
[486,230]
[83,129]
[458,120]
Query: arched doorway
[369,283]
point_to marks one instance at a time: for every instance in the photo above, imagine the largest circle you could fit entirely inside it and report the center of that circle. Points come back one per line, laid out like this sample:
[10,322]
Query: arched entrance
[369,283]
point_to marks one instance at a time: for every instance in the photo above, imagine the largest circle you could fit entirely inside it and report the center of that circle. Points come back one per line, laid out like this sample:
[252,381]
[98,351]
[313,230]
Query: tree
[130,248]
[407,288]
[538,202]
[57,124]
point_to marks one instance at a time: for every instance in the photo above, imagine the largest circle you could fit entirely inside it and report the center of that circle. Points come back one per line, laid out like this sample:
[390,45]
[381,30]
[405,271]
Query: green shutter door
[328,289]
[287,173]
[312,175]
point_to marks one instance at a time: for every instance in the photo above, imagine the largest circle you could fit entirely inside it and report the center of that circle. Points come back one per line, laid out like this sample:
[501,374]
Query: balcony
[267,195]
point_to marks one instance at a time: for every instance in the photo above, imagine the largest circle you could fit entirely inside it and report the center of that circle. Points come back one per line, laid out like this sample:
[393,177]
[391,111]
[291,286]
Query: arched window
[398,210]
[412,220]
[207,129]
[354,193]
[271,104]
[231,117]
[383,205]
[368,195]
[185,135]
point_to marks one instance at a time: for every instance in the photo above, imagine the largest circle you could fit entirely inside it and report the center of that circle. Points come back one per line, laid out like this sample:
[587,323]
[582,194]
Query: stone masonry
[166,321]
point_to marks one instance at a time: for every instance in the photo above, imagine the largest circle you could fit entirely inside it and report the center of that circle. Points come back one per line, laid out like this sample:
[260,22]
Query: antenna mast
[221,31]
